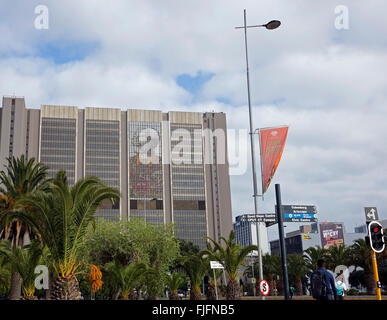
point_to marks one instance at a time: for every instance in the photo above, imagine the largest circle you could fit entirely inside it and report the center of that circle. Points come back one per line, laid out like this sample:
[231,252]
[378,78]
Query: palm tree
[126,277]
[232,256]
[5,277]
[296,269]
[271,265]
[61,217]
[212,274]
[195,268]
[174,282]
[24,260]
[20,178]
[312,255]
[360,256]
[336,256]
[211,293]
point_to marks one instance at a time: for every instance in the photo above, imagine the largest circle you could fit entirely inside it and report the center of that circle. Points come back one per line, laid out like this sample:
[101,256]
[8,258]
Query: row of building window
[55,131]
[102,175]
[58,122]
[192,169]
[104,139]
[187,184]
[95,153]
[103,168]
[100,132]
[57,152]
[108,214]
[102,147]
[146,204]
[57,144]
[59,166]
[187,177]
[102,160]
[102,125]
[154,217]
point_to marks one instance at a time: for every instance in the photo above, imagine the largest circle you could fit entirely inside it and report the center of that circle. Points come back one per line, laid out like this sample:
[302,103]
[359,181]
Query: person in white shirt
[341,289]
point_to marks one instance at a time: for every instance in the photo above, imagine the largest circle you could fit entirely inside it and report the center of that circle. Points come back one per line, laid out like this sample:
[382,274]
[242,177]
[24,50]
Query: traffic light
[375,232]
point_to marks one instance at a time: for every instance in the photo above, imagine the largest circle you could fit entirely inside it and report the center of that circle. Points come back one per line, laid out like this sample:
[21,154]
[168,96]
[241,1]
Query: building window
[58,141]
[133,204]
[159,204]
[102,157]
[188,188]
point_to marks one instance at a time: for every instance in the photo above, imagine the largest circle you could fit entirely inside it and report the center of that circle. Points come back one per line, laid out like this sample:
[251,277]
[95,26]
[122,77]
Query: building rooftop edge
[113,108]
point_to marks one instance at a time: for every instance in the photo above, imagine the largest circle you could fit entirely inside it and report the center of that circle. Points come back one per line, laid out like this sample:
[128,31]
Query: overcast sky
[328,84]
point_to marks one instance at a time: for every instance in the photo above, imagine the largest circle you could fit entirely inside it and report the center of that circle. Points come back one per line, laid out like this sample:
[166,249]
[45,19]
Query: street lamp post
[270,26]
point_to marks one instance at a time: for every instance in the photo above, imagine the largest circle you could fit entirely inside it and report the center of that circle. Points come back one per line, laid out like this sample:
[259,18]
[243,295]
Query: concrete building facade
[178,185]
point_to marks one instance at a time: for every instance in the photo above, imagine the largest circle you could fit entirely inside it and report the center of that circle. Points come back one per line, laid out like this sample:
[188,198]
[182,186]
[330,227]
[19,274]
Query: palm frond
[62,214]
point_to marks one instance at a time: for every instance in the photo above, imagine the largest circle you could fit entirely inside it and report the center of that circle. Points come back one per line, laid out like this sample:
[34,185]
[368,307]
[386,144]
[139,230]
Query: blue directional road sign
[299,213]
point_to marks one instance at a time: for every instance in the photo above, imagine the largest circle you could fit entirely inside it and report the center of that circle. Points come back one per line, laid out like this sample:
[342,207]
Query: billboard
[272,143]
[331,234]
[145,179]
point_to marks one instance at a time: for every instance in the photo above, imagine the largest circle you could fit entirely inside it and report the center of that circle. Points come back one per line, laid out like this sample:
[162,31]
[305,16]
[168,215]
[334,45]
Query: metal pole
[145,209]
[376,274]
[252,141]
[252,267]
[216,290]
[282,241]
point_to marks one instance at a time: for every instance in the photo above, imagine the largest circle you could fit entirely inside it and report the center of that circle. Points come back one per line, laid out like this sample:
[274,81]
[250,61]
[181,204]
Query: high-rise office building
[246,234]
[183,178]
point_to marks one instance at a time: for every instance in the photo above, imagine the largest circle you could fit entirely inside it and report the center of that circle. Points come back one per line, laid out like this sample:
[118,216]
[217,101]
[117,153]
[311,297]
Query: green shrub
[353,292]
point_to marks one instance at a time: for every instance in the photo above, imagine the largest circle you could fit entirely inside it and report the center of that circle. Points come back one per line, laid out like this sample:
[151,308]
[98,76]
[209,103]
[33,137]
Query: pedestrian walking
[323,285]
[341,289]
[291,291]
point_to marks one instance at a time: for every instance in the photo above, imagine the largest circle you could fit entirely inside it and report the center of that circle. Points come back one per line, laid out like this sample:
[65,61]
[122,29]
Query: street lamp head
[274,24]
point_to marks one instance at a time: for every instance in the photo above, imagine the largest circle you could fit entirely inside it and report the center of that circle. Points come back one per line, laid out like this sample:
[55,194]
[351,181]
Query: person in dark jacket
[329,280]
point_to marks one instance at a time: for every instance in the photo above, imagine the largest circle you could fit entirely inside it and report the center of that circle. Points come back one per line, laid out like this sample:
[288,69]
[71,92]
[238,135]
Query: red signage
[272,142]
[264,287]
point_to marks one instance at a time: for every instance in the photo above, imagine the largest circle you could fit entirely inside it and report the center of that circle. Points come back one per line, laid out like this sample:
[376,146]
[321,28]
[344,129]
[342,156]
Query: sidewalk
[310,298]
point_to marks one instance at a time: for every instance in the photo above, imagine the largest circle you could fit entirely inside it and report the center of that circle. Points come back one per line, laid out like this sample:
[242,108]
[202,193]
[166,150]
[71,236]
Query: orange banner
[272,143]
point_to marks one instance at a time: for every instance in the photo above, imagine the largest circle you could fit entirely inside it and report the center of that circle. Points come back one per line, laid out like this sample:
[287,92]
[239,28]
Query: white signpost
[216,265]
[371,214]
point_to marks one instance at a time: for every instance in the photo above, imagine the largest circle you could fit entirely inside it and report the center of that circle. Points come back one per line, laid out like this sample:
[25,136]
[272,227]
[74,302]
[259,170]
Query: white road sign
[264,287]
[371,213]
[216,265]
